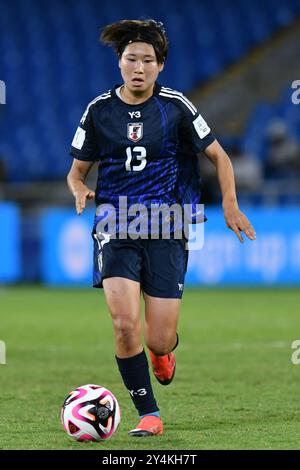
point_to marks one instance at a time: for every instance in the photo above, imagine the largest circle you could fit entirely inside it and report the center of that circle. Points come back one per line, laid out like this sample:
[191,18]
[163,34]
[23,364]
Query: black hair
[120,34]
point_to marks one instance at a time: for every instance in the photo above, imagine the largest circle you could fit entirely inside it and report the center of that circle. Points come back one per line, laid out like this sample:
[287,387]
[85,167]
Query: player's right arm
[84,150]
[76,183]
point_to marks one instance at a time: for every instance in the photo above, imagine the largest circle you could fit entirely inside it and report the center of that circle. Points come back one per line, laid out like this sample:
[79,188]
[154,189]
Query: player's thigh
[161,320]
[123,300]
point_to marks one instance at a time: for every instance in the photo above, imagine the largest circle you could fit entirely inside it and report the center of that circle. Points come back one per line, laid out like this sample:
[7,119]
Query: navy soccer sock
[135,374]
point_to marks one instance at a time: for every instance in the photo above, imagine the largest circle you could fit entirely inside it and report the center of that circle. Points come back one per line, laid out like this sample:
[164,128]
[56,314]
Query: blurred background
[238,61]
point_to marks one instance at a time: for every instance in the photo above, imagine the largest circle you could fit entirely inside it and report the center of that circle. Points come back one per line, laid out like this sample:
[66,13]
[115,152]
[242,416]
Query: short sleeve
[84,144]
[196,131]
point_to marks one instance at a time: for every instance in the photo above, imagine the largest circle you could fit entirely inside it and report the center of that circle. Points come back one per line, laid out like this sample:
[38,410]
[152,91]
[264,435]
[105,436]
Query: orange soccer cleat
[163,367]
[148,426]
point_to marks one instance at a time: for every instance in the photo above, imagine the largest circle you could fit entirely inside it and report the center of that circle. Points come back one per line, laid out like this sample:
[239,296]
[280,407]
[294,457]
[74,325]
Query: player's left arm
[235,219]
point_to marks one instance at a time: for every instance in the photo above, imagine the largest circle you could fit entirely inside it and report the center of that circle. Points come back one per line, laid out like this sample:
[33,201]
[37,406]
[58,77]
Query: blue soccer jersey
[147,151]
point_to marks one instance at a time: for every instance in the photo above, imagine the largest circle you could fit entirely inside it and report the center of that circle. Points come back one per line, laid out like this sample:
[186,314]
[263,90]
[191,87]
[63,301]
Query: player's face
[139,67]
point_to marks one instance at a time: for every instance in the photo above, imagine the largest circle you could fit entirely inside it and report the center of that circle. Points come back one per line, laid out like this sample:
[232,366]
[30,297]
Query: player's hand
[80,198]
[238,222]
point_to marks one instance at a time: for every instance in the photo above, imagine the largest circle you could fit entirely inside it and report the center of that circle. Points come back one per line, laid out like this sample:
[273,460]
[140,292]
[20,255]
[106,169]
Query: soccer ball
[90,413]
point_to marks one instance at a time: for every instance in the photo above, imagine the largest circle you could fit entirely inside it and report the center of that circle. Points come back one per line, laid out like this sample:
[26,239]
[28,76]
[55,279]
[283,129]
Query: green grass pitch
[235,384]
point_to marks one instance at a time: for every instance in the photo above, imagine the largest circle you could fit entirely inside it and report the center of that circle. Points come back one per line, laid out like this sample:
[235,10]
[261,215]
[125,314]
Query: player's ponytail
[120,34]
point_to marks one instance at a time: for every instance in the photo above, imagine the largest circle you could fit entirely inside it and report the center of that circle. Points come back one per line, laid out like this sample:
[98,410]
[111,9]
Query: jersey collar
[156,91]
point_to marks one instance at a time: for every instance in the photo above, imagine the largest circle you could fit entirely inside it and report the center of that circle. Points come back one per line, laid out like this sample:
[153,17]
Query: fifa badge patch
[135,131]
[79,138]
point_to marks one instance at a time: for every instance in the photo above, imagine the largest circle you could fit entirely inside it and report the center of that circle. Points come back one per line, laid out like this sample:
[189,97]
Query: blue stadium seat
[254,139]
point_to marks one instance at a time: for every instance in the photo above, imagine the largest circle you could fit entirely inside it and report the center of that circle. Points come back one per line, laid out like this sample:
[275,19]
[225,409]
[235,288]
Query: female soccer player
[146,138]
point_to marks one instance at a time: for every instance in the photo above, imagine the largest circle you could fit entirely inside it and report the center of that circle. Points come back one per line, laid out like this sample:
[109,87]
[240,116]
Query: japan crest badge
[135,131]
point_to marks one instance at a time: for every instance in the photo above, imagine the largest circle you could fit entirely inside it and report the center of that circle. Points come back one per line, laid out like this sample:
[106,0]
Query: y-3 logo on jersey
[135,114]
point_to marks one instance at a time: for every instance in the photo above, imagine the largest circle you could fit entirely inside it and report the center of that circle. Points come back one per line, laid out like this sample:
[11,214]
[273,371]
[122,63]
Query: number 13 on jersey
[139,154]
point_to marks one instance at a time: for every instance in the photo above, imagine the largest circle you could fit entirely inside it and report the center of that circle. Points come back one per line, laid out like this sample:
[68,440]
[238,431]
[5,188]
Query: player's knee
[125,326]
[127,331]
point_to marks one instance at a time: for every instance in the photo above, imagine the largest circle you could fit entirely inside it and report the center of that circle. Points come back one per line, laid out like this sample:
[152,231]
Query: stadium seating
[254,140]
[53,65]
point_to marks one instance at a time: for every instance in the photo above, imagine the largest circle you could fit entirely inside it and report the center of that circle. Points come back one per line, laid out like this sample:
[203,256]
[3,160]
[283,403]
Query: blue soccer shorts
[158,265]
